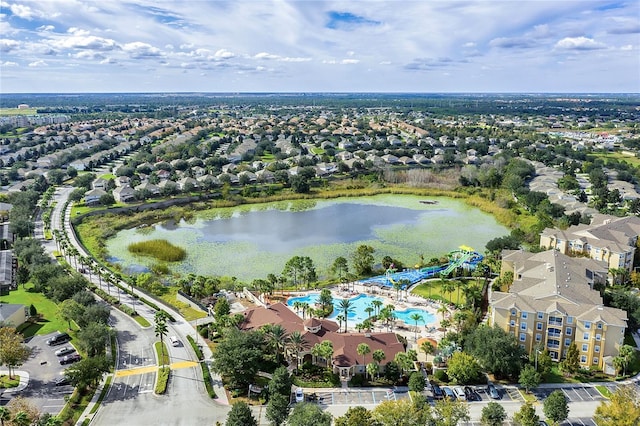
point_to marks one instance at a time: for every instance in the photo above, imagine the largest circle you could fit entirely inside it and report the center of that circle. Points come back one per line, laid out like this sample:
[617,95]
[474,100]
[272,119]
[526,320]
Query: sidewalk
[24,380]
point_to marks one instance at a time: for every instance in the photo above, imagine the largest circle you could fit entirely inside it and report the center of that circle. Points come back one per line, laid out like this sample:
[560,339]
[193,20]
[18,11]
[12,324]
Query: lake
[250,242]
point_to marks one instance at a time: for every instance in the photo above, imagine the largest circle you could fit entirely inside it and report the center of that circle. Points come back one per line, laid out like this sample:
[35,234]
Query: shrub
[206,375]
[441,376]
[357,380]
[163,380]
[196,348]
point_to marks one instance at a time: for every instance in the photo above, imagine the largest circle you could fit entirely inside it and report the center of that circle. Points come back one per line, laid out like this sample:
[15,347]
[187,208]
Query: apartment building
[608,238]
[552,303]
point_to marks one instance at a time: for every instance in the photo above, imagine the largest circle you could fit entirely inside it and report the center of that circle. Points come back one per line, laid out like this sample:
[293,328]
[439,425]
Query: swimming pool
[360,303]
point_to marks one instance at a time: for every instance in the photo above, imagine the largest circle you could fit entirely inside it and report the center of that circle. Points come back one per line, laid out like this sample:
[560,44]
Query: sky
[76,46]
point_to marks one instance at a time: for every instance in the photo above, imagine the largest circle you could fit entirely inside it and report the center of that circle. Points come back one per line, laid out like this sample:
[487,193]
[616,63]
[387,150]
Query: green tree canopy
[447,412]
[399,413]
[305,414]
[529,378]
[496,350]
[526,416]
[88,371]
[622,409]
[355,416]
[277,409]
[240,415]
[12,351]
[238,355]
[493,414]
[463,368]
[555,407]
[362,259]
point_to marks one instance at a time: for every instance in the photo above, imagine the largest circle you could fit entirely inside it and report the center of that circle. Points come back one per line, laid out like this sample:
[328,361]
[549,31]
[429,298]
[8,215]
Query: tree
[21,419]
[399,413]
[297,343]
[238,355]
[70,310]
[416,317]
[526,416]
[12,351]
[555,407]
[449,412]
[293,269]
[628,355]
[340,267]
[20,404]
[305,414]
[276,337]
[529,378]
[622,409]
[363,349]
[5,415]
[93,338]
[463,368]
[373,369]
[378,355]
[325,300]
[363,259]
[417,382]
[221,308]
[88,371]
[571,364]
[277,409]
[355,416]
[448,287]
[496,350]
[428,348]
[346,307]
[493,414]
[324,350]
[240,415]
[160,329]
[280,382]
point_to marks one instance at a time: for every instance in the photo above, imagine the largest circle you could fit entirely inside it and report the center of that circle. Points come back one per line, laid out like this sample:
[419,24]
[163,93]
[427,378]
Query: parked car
[299,395]
[437,391]
[70,359]
[65,351]
[470,393]
[459,391]
[61,381]
[493,392]
[58,339]
[448,393]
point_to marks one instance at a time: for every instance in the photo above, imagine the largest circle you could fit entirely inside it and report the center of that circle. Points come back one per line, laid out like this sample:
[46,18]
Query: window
[585,336]
[585,347]
[587,325]
[569,320]
[523,326]
[567,342]
[524,315]
[595,360]
[598,337]
[538,337]
[512,323]
[538,326]
[583,359]
[555,320]
[599,326]
[513,312]
[540,315]
[553,343]
[596,349]
[554,332]
[523,337]
[553,355]
[569,331]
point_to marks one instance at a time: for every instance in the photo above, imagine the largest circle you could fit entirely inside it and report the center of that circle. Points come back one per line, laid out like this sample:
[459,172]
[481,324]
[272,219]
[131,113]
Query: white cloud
[87,54]
[627,47]
[9,64]
[579,43]
[350,61]
[46,28]
[78,32]
[140,50]
[39,63]
[108,61]
[7,45]
[24,12]
[223,54]
[85,42]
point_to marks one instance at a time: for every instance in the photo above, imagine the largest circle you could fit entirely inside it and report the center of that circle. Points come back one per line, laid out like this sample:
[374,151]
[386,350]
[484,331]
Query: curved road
[130,399]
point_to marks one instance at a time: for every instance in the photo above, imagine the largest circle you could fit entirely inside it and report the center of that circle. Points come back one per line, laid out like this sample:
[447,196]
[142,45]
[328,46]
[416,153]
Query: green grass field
[50,322]
[433,290]
[634,161]
[16,111]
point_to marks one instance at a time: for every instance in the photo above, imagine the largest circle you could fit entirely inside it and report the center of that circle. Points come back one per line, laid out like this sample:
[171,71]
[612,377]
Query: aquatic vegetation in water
[159,249]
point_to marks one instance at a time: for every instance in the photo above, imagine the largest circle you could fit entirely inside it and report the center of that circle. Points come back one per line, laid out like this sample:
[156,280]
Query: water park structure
[465,257]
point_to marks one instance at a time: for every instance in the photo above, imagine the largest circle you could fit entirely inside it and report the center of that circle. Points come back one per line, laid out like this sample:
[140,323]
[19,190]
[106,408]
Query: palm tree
[305,309]
[297,343]
[428,348]
[340,318]
[442,310]
[417,318]
[161,330]
[346,307]
[378,355]
[5,415]
[369,310]
[372,368]
[297,305]
[21,418]
[276,337]
[363,349]
[463,284]
[448,287]
[377,304]
[397,285]
[54,421]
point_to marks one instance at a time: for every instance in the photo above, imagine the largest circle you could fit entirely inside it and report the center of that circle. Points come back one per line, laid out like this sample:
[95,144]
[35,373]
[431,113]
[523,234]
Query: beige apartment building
[552,303]
[608,238]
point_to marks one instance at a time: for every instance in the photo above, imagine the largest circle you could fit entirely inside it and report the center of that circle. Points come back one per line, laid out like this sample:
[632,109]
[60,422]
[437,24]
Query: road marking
[153,368]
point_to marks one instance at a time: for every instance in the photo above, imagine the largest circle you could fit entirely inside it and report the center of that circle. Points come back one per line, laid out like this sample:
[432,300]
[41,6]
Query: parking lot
[353,397]
[583,421]
[480,393]
[573,394]
[44,368]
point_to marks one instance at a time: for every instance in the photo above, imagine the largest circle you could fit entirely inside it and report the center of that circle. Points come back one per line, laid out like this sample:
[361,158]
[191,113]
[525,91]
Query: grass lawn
[604,391]
[432,289]
[50,321]
[634,161]
[16,111]
[186,311]
[162,353]
[142,321]
[7,382]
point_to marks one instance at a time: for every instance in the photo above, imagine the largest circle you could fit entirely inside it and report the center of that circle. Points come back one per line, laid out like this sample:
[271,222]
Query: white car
[65,351]
[299,395]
